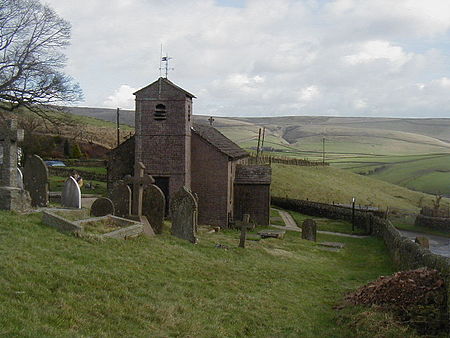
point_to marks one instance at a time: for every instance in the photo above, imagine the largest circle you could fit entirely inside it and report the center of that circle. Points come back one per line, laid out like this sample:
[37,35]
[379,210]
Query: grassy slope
[429,173]
[329,184]
[52,284]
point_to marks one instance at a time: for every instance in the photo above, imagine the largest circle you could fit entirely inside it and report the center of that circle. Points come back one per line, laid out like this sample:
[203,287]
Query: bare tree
[32,40]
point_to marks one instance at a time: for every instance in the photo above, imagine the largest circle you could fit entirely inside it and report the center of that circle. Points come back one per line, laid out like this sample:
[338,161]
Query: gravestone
[120,195]
[309,230]
[244,226]
[71,194]
[19,179]
[423,241]
[184,209]
[101,207]
[154,206]
[11,196]
[272,234]
[140,181]
[36,181]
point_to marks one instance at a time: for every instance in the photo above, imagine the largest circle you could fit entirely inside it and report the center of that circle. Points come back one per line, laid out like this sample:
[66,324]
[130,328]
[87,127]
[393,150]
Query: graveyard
[266,209]
[120,258]
[57,284]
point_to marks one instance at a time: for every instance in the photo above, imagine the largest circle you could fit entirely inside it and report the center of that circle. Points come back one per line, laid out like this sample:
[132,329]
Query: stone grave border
[60,223]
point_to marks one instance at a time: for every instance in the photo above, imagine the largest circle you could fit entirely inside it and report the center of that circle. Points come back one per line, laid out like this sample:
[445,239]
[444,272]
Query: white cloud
[269,57]
[122,98]
[309,93]
[379,50]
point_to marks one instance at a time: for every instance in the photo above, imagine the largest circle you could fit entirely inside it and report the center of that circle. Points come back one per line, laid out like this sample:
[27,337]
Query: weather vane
[164,63]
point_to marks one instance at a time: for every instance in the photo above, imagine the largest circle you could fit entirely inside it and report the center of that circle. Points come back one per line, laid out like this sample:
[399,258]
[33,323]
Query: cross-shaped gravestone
[211,120]
[244,227]
[9,137]
[140,181]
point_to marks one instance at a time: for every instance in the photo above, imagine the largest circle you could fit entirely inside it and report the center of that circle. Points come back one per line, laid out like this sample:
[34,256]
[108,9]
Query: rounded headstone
[154,206]
[101,207]
[71,194]
[35,179]
[120,195]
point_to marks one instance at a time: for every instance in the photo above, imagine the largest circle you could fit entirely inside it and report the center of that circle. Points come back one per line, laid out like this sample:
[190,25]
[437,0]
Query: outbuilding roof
[253,174]
[219,141]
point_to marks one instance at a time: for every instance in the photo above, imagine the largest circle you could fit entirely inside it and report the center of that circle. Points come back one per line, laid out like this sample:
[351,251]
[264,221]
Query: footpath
[291,225]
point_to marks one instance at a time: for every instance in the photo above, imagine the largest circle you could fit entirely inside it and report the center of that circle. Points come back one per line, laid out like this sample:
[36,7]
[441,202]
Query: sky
[386,58]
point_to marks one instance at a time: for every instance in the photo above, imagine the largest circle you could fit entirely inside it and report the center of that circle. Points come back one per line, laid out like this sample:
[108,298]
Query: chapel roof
[219,141]
[170,83]
[253,174]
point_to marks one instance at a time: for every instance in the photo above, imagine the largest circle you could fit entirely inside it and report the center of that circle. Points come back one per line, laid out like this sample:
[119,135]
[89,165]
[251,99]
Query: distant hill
[106,114]
[385,148]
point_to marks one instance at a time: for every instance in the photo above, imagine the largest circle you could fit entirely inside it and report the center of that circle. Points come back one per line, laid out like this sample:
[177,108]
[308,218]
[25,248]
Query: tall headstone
[71,194]
[244,227]
[120,195]
[184,211]
[11,196]
[309,230]
[140,181]
[36,180]
[154,206]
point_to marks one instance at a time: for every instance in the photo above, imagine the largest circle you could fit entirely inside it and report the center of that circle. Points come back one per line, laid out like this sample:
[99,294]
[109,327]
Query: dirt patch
[416,297]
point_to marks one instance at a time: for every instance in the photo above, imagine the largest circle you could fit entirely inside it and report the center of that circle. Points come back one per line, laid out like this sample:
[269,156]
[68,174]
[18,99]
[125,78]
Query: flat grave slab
[102,227]
[332,246]
[272,234]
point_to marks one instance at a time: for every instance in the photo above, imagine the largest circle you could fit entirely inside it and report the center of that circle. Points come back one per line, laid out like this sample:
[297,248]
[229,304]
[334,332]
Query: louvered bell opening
[160,112]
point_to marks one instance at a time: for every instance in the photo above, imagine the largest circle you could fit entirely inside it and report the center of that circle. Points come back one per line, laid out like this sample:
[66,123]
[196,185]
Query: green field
[428,173]
[328,185]
[54,284]
[412,158]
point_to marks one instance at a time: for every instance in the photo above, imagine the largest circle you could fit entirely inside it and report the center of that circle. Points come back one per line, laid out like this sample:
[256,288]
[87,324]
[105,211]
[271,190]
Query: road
[438,245]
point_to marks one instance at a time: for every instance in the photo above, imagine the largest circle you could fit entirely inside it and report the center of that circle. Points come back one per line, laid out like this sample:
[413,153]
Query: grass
[95,170]
[57,184]
[102,226]
[54,284]
[275,217]
[327,184]
[428,172]
[325,224]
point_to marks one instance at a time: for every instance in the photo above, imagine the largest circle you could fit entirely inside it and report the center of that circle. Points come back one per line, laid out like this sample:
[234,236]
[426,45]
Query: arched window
[160,112]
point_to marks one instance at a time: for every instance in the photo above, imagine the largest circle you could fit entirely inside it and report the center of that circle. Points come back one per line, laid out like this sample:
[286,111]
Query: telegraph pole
[257,149]
[323,151]
[118,127]
[262,142]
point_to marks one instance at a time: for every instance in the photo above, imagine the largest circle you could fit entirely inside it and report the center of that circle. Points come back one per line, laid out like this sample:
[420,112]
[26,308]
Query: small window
[160,112]
[189,113]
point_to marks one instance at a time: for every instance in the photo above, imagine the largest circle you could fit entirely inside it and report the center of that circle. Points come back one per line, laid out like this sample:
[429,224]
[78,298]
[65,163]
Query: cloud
[122,98]
[283,57]
[371,51]
[309,93]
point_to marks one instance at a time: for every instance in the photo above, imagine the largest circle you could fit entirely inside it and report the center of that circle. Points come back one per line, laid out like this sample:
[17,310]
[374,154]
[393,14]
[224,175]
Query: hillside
[384,148]
[328,185]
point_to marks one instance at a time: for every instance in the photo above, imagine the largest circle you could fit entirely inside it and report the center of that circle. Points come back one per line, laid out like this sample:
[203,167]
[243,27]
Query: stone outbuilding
[178,152]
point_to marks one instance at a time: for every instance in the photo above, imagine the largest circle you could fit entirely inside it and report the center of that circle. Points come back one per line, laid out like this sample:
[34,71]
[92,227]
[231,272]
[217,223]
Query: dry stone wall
[436,223]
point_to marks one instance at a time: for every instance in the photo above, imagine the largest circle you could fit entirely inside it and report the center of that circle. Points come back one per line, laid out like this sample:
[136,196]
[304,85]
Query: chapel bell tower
[163,124]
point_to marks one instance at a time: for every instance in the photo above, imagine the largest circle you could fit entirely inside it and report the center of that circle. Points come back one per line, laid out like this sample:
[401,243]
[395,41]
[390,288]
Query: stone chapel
[178,152]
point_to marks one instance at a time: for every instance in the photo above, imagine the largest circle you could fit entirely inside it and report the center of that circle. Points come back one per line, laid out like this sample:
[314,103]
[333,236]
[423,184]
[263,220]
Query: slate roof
[219,141]
[253,174]
[170,83]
